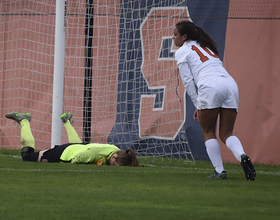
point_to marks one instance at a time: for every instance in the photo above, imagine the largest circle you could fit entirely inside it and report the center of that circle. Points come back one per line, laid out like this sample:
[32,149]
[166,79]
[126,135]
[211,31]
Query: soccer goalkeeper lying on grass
[75,151]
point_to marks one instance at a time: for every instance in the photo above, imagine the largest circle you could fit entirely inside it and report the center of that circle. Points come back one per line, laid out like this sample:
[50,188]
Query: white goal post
[58,75]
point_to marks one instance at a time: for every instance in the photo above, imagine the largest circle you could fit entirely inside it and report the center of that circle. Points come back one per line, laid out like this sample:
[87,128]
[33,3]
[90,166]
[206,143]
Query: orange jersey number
[203,58]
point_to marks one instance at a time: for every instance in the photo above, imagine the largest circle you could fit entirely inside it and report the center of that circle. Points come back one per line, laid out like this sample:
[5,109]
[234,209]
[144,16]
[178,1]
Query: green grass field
[165,190]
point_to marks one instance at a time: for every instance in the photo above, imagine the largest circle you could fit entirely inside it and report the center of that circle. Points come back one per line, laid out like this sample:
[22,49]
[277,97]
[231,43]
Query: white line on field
[178,170]
[182,170]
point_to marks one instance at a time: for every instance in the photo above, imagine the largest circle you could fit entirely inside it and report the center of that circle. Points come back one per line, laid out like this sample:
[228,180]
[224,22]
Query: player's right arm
[87,156]
[185,72]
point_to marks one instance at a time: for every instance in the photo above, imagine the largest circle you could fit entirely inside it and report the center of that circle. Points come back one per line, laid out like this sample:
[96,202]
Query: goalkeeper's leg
[26,137]
[27,142]
[73,137]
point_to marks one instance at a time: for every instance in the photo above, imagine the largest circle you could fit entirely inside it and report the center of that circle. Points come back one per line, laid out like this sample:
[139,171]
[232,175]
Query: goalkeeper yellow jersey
[92,153]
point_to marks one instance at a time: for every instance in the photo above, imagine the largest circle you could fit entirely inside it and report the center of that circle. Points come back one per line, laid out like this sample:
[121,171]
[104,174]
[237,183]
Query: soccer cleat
[65,117]
[216,175]
[248,167]
[18,116]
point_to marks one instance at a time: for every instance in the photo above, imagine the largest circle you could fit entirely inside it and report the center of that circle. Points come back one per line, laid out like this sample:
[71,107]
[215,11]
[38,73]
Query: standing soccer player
[213,92]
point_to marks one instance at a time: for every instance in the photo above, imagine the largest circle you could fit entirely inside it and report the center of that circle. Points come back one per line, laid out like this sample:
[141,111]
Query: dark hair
[198,34]
[127,158]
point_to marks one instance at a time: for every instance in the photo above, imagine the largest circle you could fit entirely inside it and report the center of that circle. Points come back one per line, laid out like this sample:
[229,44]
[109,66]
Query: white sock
[235,146]
[214,153]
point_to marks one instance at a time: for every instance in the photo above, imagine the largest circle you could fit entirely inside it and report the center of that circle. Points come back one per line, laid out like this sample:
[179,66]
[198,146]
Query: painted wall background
[131,101]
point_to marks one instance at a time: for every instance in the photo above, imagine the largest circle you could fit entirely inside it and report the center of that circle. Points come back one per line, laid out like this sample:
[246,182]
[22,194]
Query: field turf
[162,189]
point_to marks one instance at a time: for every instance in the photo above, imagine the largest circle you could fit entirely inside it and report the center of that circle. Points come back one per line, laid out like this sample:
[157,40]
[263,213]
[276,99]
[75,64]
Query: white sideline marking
[183,170]
[179,170]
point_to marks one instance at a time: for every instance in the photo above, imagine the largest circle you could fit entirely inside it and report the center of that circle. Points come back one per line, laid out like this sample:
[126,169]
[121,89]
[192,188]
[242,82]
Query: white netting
[121,81]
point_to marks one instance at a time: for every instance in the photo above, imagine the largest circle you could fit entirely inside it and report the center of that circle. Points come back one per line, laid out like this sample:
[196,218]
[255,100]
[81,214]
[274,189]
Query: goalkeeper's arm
[87,156]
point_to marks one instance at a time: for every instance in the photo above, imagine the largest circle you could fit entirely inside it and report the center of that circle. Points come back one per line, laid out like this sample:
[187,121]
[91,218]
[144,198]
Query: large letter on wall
[161,115]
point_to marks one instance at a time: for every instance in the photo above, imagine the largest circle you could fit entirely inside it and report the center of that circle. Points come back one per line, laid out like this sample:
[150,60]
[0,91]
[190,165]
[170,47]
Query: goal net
[120,79]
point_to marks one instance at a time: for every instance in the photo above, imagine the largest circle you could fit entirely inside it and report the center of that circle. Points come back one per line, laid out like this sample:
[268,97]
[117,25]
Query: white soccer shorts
[218,92]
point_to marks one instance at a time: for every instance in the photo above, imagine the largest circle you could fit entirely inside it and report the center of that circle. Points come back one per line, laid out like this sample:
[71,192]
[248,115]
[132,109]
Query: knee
[28,154]
[209,134]
[224,136]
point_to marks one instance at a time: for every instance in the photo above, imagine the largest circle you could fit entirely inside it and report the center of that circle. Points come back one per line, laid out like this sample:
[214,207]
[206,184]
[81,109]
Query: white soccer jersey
[197,65]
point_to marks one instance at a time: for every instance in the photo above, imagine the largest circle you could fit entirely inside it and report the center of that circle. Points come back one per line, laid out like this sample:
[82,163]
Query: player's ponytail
[197,34]
[127,158]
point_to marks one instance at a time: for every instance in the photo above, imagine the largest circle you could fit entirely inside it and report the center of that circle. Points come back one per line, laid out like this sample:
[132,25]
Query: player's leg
[73,137]
[227,121]
[208,120]
[27,140]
